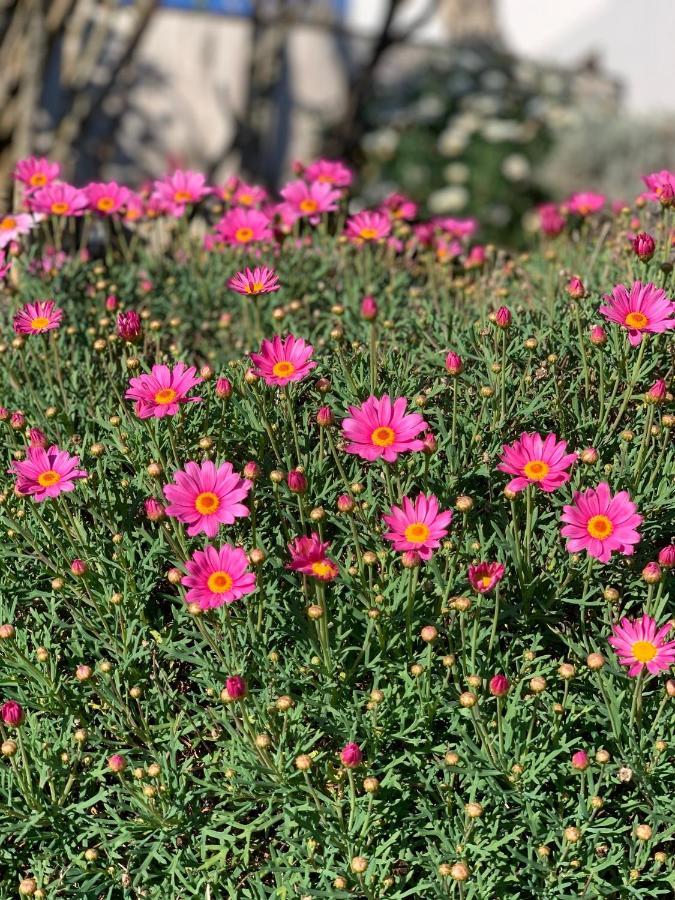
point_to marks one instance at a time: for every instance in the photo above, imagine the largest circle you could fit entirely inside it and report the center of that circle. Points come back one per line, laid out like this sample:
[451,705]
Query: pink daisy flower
[660,183]
[646,308]
[205,497]
[368,226]
[551,222]
[13,226]
[308,556]
[639,644]
[308,200]
[417,526]
[601,523]
[36,172]
[458,228]
[327,171]
[215,577]
[380,428]
[134,208]
[46,473]
[400,207]
[280,362]
[485,576]
[106,199]
[240,227]
[161,392]
[260,280]
[38,317]
[59,200]
[179,189]
[249,195]
[585,203]
[534,460]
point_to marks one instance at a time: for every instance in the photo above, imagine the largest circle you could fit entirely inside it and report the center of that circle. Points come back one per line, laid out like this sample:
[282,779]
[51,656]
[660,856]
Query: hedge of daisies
[337,548]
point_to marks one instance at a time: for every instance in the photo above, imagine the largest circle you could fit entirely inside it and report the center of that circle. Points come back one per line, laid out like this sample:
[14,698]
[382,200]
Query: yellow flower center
[8,223]
[536,469]
[165,396]
[643,651]
[326,179]
[417,533]
[48,478]
[38,179]
[368,234]
[105,203]
[206,503]
[485,580]
[256,288]
[322,568]
[283,369]
[383,436]
[59,208]
[309,205]
[39,322]
[219,582]
[599,527]
[245,199]
[243,235]
[182,196]
[636,320]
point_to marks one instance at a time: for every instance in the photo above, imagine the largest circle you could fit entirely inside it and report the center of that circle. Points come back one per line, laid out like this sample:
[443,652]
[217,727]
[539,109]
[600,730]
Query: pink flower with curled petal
[640,644]
[308,201]
[205,497]
[601,523]
[240,227]
[536,460]
[36,172]
[280,362]
[59,199]
[260,280]
[180,189]
[309,557]
[161,392]
[485,576]
[217,576]
[645,308]
[382,428]
[46,473]
[368,226]
[106,199]
[37,317]
[417,525]
[328,171]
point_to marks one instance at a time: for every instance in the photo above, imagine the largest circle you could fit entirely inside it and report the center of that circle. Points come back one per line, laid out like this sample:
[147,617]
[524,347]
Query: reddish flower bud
[345,503]
[580,760]
[223,388]
[430,443]
[652,573]
[296,481]
[17,421]
[369,309]
[78,567]
[325,417]
[667,556]
[236,687]
[576,289]
[251,470]
[37,438]
[657,392]
[453,363]
[154,510]
[351,756]
[666,195]
[12,713]
[503,317]
[670,687]
[499,685]
[7,632]
[117,763]
[644,246]
[129,326]
[598,335]
[589,455]
[410,559]
[111,303]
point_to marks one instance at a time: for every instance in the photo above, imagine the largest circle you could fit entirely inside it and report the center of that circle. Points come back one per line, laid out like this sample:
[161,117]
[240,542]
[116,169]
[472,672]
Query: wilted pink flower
[644,246]
[503,317]
[667,556]
[543,462]
[37,317]
[47,473]
[380,428]
[499,685]
[280,362]
[453,363]
[485,576]
[308,556]
[205,497]
[640,644]
[645,308]
[129,326]
[260,280]
[12,713]
[580,760]
[369,309]
[351,756]
[417,525]
[217,576]
[59,200]
[601,523]
[36,172]
[162,391]
[365,227]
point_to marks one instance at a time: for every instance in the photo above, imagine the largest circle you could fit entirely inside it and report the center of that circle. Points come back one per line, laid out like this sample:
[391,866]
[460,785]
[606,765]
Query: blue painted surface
[231,7]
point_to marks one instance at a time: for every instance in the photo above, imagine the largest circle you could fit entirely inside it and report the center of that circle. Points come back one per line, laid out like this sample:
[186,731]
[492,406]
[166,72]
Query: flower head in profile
[551,221]
[46,473]
[485,576]
[205,497]
[281,361]
[368,226]
[260,280]
[601,523]
[660,184]
[639,644]
[240,227]
[59,199]
[328,171]
[217,576]
[400,207]
[585,203]
[180,189]
[13,225]
[37,317]
[645,308]
[309,557]
[36,172]
[308,201]
[161,392]
[106,199]
[457,228]
[417,525]
[543,462]
[382,428]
